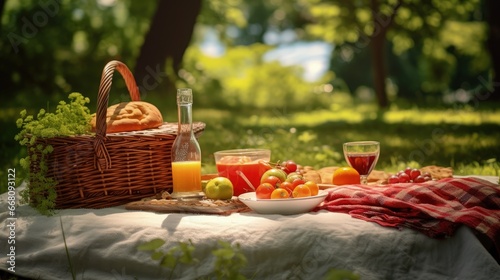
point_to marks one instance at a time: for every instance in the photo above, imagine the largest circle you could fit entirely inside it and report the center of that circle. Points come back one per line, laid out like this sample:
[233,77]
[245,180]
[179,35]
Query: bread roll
[131,116]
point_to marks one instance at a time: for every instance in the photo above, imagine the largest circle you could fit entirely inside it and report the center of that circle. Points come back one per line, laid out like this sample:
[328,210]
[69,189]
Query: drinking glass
[242,167]
[362,156]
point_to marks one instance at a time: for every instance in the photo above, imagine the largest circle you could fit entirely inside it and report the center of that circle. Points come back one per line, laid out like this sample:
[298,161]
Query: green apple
[273,172]
[219,188]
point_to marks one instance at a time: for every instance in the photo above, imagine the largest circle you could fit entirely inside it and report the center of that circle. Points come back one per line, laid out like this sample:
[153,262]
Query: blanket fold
[435,208]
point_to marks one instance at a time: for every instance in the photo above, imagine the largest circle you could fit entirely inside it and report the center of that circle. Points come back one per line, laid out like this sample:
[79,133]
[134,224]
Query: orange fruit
[301,191]
[313,187]
[280,193]
[345,176]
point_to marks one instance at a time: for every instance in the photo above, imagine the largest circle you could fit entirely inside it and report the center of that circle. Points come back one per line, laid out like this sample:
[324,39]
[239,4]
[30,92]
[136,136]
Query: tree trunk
[493,43]
[378,68]
[2,6]
[377,49]
[169,35]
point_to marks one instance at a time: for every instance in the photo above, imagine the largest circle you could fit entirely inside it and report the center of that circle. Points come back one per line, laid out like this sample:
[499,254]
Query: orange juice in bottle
[186,153]
[187,176]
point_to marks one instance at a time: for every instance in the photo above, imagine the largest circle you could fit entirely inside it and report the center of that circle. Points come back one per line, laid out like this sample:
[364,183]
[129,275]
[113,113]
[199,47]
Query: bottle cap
[184,96]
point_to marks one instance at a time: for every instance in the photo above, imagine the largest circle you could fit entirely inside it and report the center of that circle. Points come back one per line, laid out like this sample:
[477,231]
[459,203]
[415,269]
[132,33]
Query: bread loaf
[131,116]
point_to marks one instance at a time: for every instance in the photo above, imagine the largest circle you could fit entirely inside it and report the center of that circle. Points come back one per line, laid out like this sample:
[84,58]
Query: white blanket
[103,245]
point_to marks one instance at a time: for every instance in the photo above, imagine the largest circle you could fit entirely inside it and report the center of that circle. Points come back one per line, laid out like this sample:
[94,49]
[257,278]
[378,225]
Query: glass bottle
[186,153]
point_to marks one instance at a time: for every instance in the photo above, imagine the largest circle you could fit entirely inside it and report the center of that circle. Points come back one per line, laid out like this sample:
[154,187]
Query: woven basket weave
[105,170]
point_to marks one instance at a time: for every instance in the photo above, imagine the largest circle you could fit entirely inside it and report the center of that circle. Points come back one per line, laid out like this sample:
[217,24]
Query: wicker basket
[104,170]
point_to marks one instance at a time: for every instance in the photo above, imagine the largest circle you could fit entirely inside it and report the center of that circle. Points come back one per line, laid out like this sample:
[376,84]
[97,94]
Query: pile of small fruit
[283,180]
[409,175]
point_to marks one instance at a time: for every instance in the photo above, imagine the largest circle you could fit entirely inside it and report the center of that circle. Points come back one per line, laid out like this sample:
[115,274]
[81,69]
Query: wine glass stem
[364,179]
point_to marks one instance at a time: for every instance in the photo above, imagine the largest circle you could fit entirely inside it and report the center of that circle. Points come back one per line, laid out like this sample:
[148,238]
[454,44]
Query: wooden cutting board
[194,206]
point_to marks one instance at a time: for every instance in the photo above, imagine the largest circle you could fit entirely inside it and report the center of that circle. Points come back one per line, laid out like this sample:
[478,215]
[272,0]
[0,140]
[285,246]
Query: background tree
[48,52]
[493,44]
[2,5]
[269,17]
[167,39]
[355,25]
[430,47]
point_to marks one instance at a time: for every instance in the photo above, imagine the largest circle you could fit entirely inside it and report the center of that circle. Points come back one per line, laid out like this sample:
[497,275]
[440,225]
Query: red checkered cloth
[435,208]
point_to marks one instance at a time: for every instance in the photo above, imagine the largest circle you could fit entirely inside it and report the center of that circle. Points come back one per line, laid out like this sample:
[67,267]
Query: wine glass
[362,156]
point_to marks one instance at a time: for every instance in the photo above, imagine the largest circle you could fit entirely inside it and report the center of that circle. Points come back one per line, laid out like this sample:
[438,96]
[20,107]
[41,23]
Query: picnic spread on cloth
[102,243]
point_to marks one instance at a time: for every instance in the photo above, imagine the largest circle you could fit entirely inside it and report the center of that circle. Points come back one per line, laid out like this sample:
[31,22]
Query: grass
[465,138]
[462,137]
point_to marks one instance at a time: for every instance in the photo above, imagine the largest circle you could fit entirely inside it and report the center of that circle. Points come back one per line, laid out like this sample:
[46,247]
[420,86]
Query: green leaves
[339,274]
[244,79]
[181,253]
[229,260]
[71,118]
[151,245]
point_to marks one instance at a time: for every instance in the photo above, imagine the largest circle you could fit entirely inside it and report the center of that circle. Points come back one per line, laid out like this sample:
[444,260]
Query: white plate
[287,206]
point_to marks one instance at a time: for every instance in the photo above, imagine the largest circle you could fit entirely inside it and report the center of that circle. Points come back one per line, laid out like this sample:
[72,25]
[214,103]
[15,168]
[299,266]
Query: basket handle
[104,88]
[102,159]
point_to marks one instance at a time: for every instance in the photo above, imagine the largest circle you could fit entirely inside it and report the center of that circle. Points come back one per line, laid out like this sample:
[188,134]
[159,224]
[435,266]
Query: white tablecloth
[103,244]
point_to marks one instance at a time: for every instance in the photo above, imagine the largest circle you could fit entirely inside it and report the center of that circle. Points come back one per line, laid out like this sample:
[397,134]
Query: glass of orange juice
[241,167]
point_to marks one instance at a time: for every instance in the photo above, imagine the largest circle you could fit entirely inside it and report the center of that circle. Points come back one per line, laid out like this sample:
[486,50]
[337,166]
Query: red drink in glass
[252,171]
[362,156]
[363,163]
[242,167]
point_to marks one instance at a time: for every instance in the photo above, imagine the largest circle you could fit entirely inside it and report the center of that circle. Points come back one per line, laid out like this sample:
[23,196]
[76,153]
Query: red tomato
[273,180]
[291,166]
[297,182]
[264,191]
[288,187]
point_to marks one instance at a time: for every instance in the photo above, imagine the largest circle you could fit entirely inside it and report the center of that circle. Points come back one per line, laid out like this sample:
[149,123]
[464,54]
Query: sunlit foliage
[241,78]
[436,37]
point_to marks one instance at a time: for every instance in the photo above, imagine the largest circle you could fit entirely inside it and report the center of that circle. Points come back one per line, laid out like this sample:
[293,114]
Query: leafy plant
[229,260]
[339,274]
[69,119]
[182,253]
